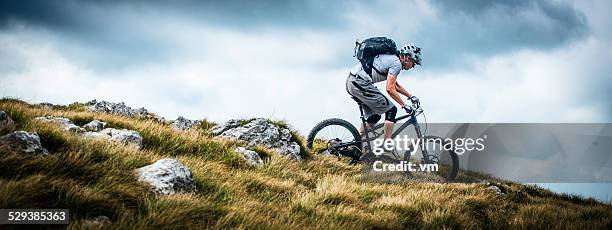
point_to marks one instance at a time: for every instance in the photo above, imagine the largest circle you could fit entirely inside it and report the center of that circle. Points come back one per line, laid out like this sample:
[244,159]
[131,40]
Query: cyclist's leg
[373,101]
[389,122]
[371,120]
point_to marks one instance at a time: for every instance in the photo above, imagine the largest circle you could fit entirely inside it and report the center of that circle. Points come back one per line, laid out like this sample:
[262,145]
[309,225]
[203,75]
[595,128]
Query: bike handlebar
[417,109]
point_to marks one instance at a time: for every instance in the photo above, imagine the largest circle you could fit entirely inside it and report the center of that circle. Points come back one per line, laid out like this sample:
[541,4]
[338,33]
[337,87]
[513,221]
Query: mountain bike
[339,137]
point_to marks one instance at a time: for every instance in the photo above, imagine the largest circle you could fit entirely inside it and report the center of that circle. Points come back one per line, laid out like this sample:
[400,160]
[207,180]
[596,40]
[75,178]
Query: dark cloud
[538,23]
[476,28]
[247,14]
[48,13]
[90,33]
[244,14]
[484,28]
[107,35]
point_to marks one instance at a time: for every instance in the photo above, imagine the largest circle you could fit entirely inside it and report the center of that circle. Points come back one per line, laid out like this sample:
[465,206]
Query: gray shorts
[374,102]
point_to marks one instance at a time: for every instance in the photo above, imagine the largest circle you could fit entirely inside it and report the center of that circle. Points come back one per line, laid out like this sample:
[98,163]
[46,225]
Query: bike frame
[412,120]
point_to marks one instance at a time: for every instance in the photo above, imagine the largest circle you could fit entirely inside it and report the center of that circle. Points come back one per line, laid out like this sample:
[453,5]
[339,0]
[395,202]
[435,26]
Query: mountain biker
[361,87]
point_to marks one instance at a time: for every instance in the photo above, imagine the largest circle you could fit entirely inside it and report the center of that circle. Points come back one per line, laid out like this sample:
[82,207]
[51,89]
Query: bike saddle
[357,100]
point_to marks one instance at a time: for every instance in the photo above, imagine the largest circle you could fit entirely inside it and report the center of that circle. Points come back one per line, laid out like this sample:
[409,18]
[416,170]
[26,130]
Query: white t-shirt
[386,63]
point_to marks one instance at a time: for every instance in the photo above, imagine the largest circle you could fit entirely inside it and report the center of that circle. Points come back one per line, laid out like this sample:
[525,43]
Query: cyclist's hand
[415,101]
[408,109]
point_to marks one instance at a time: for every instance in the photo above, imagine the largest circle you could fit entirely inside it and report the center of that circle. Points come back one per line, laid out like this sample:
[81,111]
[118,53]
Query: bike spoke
[335,132]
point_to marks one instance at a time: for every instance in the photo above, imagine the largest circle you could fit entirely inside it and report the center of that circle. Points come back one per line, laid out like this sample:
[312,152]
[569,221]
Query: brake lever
[417,110]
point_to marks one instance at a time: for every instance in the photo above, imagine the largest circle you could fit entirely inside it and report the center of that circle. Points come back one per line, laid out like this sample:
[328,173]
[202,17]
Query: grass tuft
[96,178]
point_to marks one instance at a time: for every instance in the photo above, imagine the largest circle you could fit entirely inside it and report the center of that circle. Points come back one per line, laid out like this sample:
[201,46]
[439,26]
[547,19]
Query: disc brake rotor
[331,145]
[433,159]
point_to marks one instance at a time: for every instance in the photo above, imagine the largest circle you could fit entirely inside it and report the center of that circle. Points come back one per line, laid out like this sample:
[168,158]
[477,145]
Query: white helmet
[413,52]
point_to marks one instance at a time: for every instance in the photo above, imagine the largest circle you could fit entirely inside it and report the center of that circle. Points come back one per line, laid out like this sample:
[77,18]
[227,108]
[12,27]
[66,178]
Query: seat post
[361,111]
[363,119]
[364,145]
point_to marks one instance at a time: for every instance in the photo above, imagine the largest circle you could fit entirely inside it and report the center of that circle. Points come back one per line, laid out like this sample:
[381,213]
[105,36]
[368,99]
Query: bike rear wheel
[435,156]
[331,132]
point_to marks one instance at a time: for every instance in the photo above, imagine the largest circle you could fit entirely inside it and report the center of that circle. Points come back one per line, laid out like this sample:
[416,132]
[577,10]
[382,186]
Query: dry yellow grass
[92,178]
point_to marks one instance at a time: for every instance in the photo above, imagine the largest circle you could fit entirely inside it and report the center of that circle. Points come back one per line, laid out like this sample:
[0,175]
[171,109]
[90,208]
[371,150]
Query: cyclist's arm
[392,90]
[401,90]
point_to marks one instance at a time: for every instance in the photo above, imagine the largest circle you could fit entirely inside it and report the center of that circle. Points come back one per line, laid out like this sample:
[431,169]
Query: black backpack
[368,49]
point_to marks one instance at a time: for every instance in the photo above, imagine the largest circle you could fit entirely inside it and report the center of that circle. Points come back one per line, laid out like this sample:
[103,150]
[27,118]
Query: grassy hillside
[93,178]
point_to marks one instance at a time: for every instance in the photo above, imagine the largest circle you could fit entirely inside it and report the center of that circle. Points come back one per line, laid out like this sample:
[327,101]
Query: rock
[22,142]
[122,109]
[124,136]
[6,123]
[46,105]
[167,177]
[496,189]
[95,125]
[217,130]
[128,137]
[290,149]
[97,135]
[182,123]
[65,123]
[251,157]
[116,108]
[96,130]
[261,131]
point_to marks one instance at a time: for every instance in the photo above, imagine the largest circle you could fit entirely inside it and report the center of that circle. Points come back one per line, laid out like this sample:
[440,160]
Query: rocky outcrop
[251,157]
[117,109]
[182,123]
[21,142]
[123,136]
[96,129]
[167,177]
[95,126]
[261,131]
[6,123]
[63,122]
[233,123]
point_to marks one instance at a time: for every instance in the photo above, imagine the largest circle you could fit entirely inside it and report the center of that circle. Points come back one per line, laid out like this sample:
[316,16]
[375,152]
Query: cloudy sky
[484,61]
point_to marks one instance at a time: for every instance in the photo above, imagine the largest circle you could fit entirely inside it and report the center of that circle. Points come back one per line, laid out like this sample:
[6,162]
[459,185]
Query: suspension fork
[417,129]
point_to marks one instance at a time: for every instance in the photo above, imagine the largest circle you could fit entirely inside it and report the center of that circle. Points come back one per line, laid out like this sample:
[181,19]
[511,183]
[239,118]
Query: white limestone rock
[116,108]
[251,157]
[182,123]
[261,131]
[6,123]
[95,126]
[496,190]
[123,136]
[22,142]
[167,177]
[63,122]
